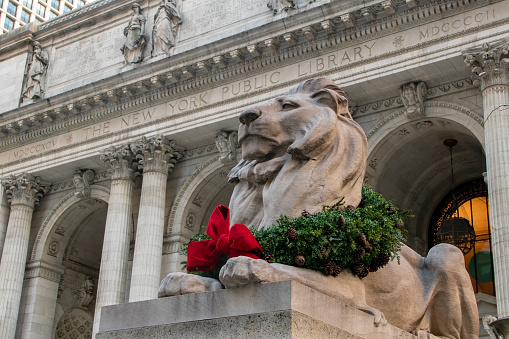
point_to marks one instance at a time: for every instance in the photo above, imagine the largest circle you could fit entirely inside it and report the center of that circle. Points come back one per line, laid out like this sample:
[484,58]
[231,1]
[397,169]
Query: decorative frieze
[43,270]
[304,49]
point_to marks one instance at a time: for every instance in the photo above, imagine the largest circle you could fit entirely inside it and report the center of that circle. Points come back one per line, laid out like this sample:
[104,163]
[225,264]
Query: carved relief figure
[35,72]
[166,22]
[280,5]
[413,96]
[135,37]
[226,144]
[86,293]
[82,182]
[303,150]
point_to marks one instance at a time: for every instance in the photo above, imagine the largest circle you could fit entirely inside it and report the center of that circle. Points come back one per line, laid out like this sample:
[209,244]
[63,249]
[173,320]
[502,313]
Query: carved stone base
[274,310]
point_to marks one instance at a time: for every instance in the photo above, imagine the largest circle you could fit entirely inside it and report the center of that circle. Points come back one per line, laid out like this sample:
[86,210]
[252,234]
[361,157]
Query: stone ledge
[289,308]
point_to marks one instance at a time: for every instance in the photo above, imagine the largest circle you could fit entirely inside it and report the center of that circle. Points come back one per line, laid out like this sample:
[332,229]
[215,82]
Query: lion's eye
[288,105]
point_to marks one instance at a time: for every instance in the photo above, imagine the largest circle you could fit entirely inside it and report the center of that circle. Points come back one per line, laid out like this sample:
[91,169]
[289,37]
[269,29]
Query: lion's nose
[249,115]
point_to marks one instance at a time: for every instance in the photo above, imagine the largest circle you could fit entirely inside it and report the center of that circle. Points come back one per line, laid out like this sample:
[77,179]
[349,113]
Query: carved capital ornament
[120,161]
[490,63]
[155,154]
[25,189]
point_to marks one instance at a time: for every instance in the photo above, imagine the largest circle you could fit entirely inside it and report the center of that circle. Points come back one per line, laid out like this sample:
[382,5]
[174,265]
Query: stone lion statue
[301,151]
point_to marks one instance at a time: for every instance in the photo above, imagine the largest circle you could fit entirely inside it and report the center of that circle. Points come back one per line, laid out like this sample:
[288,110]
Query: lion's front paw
[379,317]
[181,283]
[242,271]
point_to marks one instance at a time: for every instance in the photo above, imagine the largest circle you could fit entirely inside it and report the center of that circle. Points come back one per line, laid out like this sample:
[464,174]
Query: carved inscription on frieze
[458,23]
[202,16]
[87,56]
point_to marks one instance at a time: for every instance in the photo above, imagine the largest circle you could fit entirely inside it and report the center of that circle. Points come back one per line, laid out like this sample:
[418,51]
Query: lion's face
[294,123]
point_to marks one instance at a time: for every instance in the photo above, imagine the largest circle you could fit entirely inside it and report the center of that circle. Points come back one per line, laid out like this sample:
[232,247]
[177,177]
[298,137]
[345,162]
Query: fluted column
[156,158]
[491,64]
[4,217]
[23,191]
[111,287]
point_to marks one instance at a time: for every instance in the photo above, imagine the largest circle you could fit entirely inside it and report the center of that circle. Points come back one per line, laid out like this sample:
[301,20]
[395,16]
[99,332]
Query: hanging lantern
[455,230]
[458,232]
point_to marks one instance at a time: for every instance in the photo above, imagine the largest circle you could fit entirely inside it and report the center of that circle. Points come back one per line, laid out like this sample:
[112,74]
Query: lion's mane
[320,168]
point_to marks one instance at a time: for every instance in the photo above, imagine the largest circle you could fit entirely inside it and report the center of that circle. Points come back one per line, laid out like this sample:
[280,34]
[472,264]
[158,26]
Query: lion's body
[302,151]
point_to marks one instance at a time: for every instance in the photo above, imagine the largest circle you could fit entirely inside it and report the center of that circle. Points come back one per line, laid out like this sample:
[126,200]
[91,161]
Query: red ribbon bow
[235,241]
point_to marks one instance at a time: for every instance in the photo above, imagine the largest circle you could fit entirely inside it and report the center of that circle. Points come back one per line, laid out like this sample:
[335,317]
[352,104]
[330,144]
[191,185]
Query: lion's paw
[181,283]
[379,317]
[241,271]
[423,334]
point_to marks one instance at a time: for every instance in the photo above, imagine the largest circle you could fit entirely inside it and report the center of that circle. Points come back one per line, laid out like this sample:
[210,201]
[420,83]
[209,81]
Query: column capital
[25,189]
[490,62]
[120,161]
[155,154]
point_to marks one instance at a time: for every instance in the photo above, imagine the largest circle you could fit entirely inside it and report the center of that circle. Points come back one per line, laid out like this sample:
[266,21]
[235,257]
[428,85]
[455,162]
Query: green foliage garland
[361,239]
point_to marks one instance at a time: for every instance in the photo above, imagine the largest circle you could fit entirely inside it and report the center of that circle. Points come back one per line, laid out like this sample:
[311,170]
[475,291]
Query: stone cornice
[138,90]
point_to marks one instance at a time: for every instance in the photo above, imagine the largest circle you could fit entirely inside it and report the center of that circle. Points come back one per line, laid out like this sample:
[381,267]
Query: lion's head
[300,151]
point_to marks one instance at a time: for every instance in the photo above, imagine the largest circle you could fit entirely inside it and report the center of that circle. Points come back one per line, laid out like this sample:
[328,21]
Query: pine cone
[372,268]
[306,214]
[291,233]
[391,209]
[299,260]
[331,268]
[400,224]
[368,247]
[358,254]
[324,253]
[379,262]
[350,208]
[359,269]
[268,258]
[361,240]
[341,221]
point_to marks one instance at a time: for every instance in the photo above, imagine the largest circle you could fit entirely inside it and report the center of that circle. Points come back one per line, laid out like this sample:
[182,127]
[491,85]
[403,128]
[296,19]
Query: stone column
[24,191]
[111,287]
[491,64]
[4,217]
[156,158]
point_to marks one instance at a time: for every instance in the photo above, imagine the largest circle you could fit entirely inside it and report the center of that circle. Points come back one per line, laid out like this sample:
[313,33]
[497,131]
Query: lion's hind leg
[452,308]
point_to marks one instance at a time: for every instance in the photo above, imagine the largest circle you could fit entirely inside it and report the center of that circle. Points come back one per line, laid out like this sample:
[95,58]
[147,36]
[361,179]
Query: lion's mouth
[254,136]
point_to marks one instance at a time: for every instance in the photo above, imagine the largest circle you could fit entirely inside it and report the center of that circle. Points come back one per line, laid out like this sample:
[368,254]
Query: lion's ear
[337,102]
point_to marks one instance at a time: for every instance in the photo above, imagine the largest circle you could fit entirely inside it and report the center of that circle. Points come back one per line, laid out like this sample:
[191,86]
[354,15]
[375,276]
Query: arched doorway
[472,201]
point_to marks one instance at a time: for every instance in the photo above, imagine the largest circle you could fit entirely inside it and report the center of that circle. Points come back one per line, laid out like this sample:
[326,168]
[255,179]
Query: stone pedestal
[274,310]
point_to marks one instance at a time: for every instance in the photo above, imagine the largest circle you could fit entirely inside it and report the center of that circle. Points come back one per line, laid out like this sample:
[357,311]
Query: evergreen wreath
[361,240]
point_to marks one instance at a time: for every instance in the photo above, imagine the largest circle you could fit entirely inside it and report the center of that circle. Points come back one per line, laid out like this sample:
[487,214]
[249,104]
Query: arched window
[472,199]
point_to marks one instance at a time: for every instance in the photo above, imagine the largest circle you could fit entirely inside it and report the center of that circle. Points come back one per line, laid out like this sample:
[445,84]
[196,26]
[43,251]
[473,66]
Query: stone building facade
[117,132]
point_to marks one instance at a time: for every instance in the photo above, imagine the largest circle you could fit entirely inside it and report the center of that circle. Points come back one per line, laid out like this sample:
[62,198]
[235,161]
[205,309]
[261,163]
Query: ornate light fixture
[456,231]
